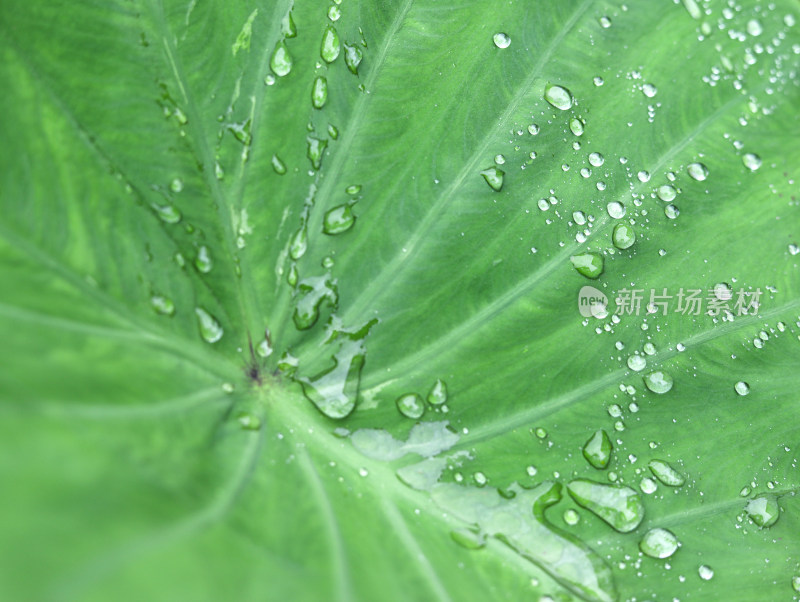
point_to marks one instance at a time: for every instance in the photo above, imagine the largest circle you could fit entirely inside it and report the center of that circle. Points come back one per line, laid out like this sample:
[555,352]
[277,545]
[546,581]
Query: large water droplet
[558,96]
[649,90]
[659,543]
[658,382]
[588,264]
[620,507]
[438,393]
[210,329]
[334,391]
[751,161]
[623,236]
[311,292]
[339,219]
[666,193]
[203,261]
[316,148]
[494,177]
[330,47]
[352,57]
[637,363]
[697,171]
[411,405]
[597,450]
[665,473]
[616,210]
[501,40]
[319,92]
[763,510]
[281,61]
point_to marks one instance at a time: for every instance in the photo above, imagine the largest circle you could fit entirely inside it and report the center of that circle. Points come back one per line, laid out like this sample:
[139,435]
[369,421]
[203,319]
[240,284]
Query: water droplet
[596,159]
[281,61]
[620,507]
[751,161]
[616,209]
[588,264]
[558,96]
[571,517]
[754,27]
[742,388]
[438,393]
[480,479]
[533,129]
[210,329]
[339,219]
[796,583]
[665,473]
[299,243]
[540,433]
[353,189]
[597,450]
[576,126]
[659,543]
[316,148]
[658,382]
[334,391]
[278,165]
[334,12]
[168,213]
[329,48]
[176,185]
[579,217]
[501,40]
[333,132]
[598,81]
[697,171]
[311,292]
[649,348]
[637,363]
[648,485]
[203,261]
[494,177]
[248,421]
[162,305]
[605,22]
[666,193]
[672,211]
[319,92]
[649,90]
[288,28]
[410,405]
[499,159]
[705,572]
[763,510]
[352,57]
[469,538]
[623,236]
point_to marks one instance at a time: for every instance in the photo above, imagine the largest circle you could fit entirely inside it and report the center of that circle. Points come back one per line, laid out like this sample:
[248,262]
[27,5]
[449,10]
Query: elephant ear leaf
[399,300]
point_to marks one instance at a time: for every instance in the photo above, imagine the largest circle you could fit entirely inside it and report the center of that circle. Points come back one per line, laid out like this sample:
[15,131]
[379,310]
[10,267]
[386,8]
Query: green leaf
[267,329]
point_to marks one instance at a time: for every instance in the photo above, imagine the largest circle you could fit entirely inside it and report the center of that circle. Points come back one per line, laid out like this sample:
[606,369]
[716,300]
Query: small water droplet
[540,433]
[637,363]
[796,583]
[754,27]
[616,209]
[438,393]
[623,236]
[742,388]
[666,193]
[330,46]
[469,539]
[659,543]
[334,12]
[353,189]
[248,421]
[588,264]
[571,517]
[311,292]
[281,61]
[697,171]
[533,129]
[337,220]
[705,572]
[620,507]
[411,405]
[558,96]
[168,214]
[210,329]
[176,185]
[352,57]
[672,211]
[288,28]
[480,479]
[162,305]
[751,161]
[597,449]
[494,177]
[665,473]
[648,485]
[658,382]
[203,261]
[605,22]
[299,243]
[278,165]
[315,151]
[649,90]
[596,159]
[319,92]
[576,126]
[501,40]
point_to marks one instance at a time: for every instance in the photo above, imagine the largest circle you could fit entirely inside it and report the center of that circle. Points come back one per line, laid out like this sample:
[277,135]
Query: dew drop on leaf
[339,219]
[649,90]
[288,28]
[571,517]
[597,449]
[319,92]
[334,391]
[494,177]
[438,393]
[576,126]
[281,61]
[410,405]
[162,305]
[751,161]
[330,46]
[665,473]
[742,388]
[588,264]
[558,96]
[697,171]
[637,363]
[672,211]
[616,210]
[176,185]
[311,293]
[501,40]
[596,159]
[248,421]
[203,261]
[168,214]
[480,479]
[620,507]
[469,538]
[352,57]
[210,329]
[666,193]
[623,236]
[659,543]
[299,243]
[316,148]
[763,510]
[648,485]
[334,13]
[796,583]
[658,382]
[278,165]
[706,572]
[353,189]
